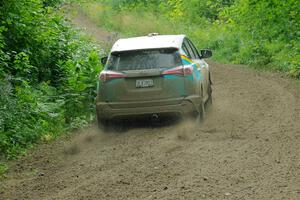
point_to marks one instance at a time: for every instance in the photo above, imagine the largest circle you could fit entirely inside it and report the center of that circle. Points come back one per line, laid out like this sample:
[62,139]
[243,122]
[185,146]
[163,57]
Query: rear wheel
[103,124]
[201,113]
[201,109]
[209,102]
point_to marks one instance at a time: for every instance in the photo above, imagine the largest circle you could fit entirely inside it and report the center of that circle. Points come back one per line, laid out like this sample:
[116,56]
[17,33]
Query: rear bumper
[185,106]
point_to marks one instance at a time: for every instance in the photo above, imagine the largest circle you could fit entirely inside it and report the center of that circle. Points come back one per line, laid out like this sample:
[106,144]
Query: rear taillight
[174,71]
[181,71]
[108,75]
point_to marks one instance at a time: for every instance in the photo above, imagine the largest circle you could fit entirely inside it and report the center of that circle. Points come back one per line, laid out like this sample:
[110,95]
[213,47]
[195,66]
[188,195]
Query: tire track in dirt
[248,148]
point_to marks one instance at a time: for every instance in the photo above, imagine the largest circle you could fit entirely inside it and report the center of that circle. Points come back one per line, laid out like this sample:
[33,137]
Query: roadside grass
[139,23]
[127,23]
[224,42]
[3,170]
[229,44]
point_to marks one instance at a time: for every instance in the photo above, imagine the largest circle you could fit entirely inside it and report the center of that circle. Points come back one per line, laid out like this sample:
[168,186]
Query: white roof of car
[152,41]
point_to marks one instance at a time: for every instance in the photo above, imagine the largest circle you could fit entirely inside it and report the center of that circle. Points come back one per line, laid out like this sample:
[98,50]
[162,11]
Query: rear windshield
[144,59]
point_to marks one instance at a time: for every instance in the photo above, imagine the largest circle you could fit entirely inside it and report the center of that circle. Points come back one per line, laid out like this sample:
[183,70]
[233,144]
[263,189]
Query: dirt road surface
[248,148]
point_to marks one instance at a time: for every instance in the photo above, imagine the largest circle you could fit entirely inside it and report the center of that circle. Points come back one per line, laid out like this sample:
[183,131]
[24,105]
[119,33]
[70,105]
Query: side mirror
[104,60]
[205,53]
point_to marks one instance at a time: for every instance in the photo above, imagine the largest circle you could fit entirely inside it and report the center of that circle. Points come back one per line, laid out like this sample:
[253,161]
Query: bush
[263,34]
[47,75]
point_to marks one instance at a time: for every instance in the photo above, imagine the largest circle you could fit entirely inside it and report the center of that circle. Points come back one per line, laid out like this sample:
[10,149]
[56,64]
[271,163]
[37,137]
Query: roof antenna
[153,34]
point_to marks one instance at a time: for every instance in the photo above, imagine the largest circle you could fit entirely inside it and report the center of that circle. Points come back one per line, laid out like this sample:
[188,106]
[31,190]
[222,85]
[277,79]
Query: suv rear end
[141,81]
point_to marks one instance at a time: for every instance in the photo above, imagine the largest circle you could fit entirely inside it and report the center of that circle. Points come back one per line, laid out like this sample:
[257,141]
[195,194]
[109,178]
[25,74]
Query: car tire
[209,101]
[103,124]
[201,113]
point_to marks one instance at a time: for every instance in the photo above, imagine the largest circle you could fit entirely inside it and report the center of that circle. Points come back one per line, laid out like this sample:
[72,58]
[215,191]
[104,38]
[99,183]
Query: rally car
[153,75]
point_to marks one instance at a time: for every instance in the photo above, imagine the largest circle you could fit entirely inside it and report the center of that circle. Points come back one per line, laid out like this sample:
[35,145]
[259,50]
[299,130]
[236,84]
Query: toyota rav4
[153,75]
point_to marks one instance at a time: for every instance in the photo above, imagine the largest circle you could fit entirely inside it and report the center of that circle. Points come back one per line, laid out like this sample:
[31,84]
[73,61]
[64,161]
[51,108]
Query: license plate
[144,83]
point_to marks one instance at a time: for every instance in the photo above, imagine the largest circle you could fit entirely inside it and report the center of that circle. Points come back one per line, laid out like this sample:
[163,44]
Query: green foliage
[47,75]
[270,31]
[3,169]
[51,3]
[26,115]
[259,33]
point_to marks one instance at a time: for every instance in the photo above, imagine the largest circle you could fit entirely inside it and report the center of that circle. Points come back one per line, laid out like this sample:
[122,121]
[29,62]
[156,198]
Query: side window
[194,49]
[189,48]
[186,51]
